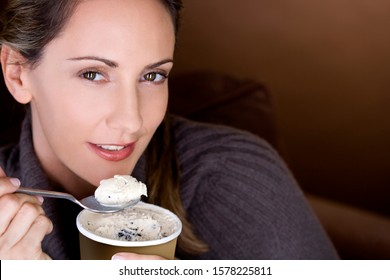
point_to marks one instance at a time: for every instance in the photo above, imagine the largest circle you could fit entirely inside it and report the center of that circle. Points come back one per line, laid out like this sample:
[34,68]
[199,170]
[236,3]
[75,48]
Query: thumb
[2,173]
[134,256]
[7,185]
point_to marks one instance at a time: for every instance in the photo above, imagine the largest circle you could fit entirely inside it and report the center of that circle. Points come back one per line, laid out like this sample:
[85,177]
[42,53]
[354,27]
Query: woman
[94,75]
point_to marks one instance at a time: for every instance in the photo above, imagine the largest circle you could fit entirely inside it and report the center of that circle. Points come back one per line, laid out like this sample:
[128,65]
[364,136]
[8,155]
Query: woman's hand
[134,256]
[23,223]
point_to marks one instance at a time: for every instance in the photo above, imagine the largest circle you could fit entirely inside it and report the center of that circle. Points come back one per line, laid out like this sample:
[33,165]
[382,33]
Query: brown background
[326,63]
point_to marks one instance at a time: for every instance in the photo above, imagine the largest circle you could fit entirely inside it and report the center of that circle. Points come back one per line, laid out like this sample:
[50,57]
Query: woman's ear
[14,68]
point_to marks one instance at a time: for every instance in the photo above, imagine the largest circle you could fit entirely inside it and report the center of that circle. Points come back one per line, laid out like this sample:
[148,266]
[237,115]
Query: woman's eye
[92,76]
[154,77]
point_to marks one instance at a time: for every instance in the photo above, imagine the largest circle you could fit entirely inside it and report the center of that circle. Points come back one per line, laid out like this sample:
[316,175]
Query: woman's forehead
[100,28]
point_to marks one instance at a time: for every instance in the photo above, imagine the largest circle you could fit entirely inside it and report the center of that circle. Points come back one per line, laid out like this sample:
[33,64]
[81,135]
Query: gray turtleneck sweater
[238,193]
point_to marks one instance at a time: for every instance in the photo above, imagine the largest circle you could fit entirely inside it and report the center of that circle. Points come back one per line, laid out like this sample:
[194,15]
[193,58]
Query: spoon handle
[47,193]
[88,203]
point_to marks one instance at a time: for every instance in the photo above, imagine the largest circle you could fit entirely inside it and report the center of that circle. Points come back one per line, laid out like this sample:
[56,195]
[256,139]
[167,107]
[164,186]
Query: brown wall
[326,62]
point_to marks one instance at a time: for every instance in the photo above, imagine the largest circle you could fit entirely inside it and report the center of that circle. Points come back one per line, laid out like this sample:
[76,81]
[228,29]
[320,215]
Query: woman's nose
[125,112]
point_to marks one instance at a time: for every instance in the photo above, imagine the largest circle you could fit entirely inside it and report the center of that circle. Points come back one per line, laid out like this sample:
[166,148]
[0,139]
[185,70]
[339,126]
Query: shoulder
[196,138]
[239,192]
[219,159]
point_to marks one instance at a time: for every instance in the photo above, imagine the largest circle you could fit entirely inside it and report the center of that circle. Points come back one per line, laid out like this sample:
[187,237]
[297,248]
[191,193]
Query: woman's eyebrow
[108,62]
[157,64]
[114,64]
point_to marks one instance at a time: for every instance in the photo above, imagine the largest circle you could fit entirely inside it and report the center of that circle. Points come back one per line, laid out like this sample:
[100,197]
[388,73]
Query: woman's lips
[112,152]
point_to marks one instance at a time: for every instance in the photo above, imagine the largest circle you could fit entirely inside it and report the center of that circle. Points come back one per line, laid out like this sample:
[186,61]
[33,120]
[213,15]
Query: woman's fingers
[8,185]
[41,227]
[23,228]
[10,204]
[30,245]
[2,173]
[21,223]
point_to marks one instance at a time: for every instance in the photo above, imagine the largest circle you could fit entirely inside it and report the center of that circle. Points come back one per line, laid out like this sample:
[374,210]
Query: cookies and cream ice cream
[141,222]
[119,190]
[130,230]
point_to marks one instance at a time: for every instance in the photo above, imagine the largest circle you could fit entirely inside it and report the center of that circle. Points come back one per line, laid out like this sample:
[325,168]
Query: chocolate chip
[128,235]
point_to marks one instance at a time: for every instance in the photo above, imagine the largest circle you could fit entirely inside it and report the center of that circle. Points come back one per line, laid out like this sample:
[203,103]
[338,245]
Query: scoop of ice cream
[119,190]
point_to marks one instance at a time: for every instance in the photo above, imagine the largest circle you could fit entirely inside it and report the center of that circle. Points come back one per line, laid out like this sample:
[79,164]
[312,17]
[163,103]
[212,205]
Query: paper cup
[97,247]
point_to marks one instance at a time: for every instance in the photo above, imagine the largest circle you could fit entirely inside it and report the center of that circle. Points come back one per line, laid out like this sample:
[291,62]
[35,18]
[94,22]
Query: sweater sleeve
[242,199]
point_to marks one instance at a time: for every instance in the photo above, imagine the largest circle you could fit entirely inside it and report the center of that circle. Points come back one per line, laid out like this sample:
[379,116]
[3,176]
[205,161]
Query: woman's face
[100,90]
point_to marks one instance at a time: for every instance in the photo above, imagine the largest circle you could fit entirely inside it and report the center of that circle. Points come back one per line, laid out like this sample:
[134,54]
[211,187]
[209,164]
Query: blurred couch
[326,64]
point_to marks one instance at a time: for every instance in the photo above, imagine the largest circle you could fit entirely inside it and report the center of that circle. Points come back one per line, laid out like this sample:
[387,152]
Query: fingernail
[40,199]
[15,182]
[117,258]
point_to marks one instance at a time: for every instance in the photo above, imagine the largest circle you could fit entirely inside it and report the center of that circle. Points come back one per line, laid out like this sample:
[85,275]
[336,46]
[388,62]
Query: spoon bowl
[90,203]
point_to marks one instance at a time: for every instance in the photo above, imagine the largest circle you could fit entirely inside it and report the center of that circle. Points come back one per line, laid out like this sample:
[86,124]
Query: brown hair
[29,25]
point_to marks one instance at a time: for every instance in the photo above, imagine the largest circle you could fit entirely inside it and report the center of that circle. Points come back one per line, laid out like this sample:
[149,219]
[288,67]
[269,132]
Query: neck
[73,185]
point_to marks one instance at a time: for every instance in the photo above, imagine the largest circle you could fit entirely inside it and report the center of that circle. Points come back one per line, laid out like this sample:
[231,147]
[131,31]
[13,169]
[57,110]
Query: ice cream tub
[144,229]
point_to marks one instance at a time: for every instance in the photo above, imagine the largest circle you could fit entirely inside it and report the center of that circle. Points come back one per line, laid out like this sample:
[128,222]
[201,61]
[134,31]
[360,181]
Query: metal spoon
[89,203]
